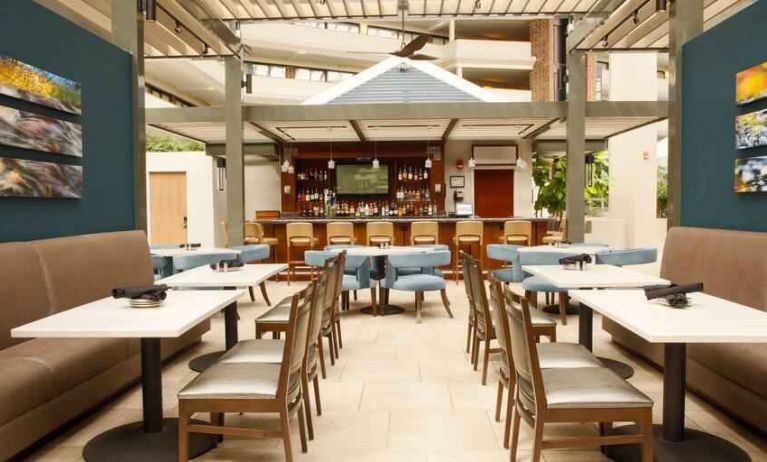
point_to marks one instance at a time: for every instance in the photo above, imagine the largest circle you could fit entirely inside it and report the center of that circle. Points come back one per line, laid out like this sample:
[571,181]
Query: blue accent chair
[194,260]
[252,252]
[356,272]
[534,284]
[425,281]
[638,256]
[161,266]
[508,253]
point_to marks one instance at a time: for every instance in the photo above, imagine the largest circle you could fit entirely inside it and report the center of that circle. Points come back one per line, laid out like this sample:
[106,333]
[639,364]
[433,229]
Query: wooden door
[167,204]
[494,193]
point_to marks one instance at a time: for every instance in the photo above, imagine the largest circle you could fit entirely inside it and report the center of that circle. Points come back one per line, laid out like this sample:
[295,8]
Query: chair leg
[355,295]
[499,401]
[252,295]
[321,352]
[563,308]
[334,337]
[647,437]
[331,350]
[307,405]
[485,361]
[217,419]
[337,324]
[317,400]
[418,307]
[537,440]
[514,432]
[263,293]
[302,426]
[446,302]
[285,424]
[475,361]
[183,434]
[468,335]
[509,416]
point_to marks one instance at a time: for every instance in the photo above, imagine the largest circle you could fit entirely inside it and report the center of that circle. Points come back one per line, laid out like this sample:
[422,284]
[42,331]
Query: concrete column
[128,34]
[576,144]
[451,30]
[235,184]
[685,22]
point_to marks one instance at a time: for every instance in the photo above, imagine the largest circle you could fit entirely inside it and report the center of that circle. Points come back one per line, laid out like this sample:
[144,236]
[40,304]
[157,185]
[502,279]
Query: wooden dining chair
[252,388]
[331,314]
[472,318]
[484,329]
[340,233]
[380,232]
[424,232]
[570,395]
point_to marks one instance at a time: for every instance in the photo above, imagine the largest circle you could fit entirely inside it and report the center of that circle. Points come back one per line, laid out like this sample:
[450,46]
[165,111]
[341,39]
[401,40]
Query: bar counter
[492,231]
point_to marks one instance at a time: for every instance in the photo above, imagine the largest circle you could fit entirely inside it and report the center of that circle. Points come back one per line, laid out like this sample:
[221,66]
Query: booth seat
[731,265]
[48,382]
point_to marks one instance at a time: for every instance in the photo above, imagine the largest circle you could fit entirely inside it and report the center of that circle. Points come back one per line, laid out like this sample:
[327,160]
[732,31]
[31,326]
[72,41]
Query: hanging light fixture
[151,10]
[376,164]
[221,170]
[472,163]
[427,163]
[331,162]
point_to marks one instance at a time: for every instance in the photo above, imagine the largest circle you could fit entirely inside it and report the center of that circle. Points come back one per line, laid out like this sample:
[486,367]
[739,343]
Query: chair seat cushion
[510,239]
[303,241]
[424,239]
[255,351]
[26,385]
[278,313]
[505,275]
[350,282]
[565,355]
[538,284]
[379,239]
[590,387]
[467,239]
[539,319]
[234,381]
[419,283]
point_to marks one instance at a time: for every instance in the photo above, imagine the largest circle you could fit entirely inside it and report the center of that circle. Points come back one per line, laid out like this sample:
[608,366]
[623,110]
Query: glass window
[261,70]
[336,76]
[382,32]
[314,75]
[343,26]
[277,71]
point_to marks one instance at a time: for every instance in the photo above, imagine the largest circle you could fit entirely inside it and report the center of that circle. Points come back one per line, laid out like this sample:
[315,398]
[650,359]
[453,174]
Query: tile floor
[400,392]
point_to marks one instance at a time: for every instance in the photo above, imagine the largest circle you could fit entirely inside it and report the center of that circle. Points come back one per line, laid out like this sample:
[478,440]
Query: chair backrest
[469,228]
[638,256]
[340,232]
[535,257]
[479,294]
[252,252]
[465,262]
[427,261]
[518,228]
[424,232]
[251,230]
[299,230]
[321,285]
[497,303]
[380,229]
[295,342]
[194,260]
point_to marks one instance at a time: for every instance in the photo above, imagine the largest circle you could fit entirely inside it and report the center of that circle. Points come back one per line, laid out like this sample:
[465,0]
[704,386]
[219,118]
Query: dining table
[707,319]
[171,253]
[205,277]
[155,437]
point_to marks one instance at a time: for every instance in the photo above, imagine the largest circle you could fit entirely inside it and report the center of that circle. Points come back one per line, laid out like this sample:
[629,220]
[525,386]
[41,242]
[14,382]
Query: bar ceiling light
[151,10]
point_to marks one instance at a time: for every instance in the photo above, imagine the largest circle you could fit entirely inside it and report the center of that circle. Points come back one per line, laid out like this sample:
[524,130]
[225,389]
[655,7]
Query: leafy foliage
[550,178]
[662,196]
[597,190]
[170,144]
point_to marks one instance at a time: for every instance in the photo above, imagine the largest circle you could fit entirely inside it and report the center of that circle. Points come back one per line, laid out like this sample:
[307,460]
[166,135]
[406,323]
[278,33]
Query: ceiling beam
[267,133]
[449,129]
[295,7]
[250,8]
[185,114]
[358,130]
[542,129]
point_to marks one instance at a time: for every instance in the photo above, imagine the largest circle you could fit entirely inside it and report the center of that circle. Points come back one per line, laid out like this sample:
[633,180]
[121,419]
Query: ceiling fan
[407,50]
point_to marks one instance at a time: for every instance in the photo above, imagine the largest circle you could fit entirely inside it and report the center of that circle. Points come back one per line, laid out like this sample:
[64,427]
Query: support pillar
[685,22]
[576,144]
[235,183]
[128,34]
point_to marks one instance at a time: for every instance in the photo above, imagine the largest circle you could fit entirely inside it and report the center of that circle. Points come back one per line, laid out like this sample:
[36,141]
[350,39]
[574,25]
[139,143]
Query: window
[337,76]
[382,32]
[268,70]
[343,27]
[313,75]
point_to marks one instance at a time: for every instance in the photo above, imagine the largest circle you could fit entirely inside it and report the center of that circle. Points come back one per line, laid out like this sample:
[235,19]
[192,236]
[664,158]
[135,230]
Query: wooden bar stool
[254,234]
[340,233]
[424,232]
[300,237]
[467,235]
[517,232]
[552,237]
[380,232]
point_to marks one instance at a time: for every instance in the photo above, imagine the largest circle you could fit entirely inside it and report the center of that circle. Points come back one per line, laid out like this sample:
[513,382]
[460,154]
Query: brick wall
[542,78]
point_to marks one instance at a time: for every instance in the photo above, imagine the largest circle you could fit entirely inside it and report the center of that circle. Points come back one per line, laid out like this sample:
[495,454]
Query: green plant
[550,178]
[597,190]
[157,143]
[662,192]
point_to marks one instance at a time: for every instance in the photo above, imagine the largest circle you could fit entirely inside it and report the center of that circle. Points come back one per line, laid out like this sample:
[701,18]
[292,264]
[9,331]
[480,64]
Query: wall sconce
[472,163]
[221,171]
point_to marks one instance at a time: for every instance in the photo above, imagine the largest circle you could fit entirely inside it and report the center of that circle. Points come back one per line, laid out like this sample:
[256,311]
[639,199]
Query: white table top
[708,319]
[593,276]
[200,250]
[591,250]
[373,251]
[115,318]
[204,276]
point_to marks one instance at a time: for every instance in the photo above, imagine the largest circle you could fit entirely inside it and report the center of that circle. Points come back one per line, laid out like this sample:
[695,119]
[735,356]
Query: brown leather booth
[731,265]
[48,382]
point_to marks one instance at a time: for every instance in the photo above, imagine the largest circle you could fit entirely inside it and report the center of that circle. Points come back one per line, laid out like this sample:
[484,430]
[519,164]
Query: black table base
[585,338]
[130,443]
[554,309]
[203,362]
[231,335]
[383,310]
[696,446]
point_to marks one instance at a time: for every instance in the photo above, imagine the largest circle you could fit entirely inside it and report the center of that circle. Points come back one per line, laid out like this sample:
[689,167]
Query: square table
[155,438]
[178,251]
[708,319]
[595,277]
[206,277]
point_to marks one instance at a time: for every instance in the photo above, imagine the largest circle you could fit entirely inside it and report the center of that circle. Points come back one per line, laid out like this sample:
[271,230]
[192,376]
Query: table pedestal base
[623,370]
[696,446]
[383,310]
[129,443]
[554,309]
[203,362]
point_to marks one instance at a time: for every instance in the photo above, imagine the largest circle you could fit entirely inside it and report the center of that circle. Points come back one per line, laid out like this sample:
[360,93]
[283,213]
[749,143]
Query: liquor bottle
[409,173]
[399,174]
[426,174]
[418,195]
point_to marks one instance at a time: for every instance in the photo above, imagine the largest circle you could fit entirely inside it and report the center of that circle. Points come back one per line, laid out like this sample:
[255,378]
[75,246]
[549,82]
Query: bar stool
[340,233]
[557,236]
[300,236]
[467,233]
[517,232]
[380,232]
[424,232]
[254,234]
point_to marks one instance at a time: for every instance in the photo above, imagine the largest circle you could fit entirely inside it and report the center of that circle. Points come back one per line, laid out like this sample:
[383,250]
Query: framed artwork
[751,130]
[457,181]
[751,84]
[29,83]
[27,130]
[28,178]
[751,175]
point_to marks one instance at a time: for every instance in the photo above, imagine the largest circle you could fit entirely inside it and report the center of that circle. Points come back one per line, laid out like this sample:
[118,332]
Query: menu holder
[576,261]
[674,295]
[563,244]
[190,246]
[224,266]
[142,296]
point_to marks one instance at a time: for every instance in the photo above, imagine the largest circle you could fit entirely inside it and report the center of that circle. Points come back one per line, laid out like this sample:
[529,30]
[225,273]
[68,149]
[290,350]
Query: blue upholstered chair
[161,266]
[200,258]
[356,272]
[638,256]
[425,281]
[252,252]
[534,284]
[510,254]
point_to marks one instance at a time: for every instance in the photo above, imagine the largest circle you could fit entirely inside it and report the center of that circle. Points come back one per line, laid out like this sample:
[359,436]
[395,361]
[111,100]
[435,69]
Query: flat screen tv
[751,175]
[751,84]
[356,179]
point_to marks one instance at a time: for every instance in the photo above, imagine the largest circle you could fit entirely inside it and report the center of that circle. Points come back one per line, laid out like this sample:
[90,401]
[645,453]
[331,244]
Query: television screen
[751,84]
[362,179]
[751,175]
[751,130]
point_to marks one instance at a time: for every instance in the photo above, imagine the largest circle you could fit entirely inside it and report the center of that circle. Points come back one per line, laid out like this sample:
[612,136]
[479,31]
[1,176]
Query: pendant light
[427,163]
[376,164]
[472,163]
[331,162]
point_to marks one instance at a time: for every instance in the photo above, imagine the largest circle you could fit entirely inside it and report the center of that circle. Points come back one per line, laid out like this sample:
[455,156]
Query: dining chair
[340,232]
[162,266]
[517,232]
[509,254]
[251,253]
[472,317]
[193,260]
[626,257]
[331,316]
[269,351]
[254,234]
[380,232]
[424,232]
[559,235]
[570,395]
[425,281]
[532,285]
[252,388]
[300,237]
[467,234]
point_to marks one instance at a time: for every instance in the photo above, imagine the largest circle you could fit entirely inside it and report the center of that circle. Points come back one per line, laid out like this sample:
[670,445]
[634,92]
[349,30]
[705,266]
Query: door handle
[185,222]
